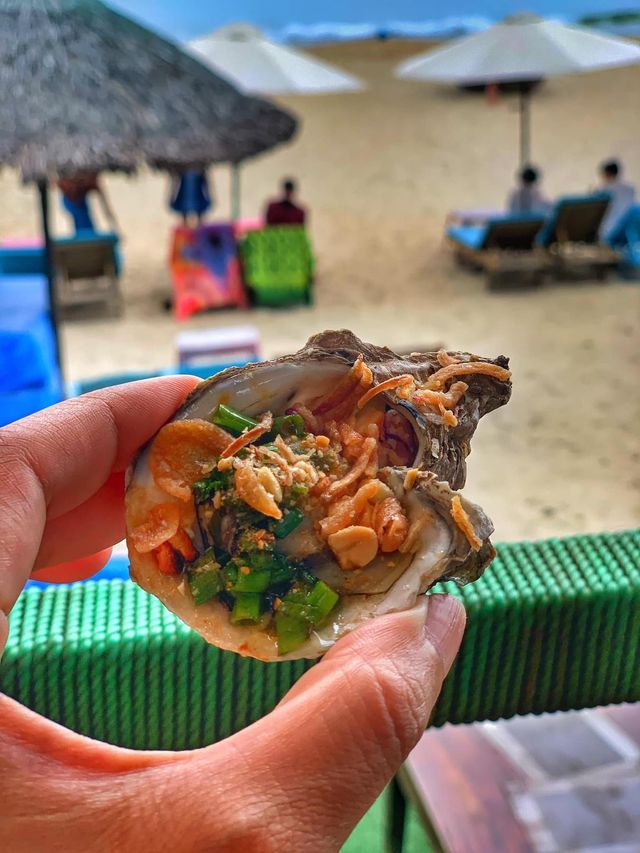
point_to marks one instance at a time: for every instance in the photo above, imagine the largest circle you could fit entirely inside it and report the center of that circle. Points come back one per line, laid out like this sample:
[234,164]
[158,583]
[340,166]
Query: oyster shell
[444,547]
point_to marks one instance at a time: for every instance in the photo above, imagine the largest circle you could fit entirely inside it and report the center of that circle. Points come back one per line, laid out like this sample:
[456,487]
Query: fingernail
[445,626]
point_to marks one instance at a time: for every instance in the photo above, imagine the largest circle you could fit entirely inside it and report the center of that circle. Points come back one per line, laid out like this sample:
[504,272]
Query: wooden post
[525,126]
[43,191]
[235,192]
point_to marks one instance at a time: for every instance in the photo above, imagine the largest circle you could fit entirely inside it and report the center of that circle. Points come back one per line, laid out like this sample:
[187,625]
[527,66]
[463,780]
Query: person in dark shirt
[284,211]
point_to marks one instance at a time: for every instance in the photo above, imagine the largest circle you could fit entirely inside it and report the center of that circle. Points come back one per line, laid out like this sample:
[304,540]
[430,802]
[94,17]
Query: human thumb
[345,728]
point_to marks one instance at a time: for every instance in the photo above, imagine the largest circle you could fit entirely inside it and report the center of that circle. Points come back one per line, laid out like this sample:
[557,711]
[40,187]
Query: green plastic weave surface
[552,625]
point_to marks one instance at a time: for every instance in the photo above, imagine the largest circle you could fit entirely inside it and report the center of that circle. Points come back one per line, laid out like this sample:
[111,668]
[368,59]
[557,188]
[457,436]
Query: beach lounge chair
[505,248]
[22,259]
[626,239]
[87,272]
[571,236]
[278,265]
[204,371]
[29,375]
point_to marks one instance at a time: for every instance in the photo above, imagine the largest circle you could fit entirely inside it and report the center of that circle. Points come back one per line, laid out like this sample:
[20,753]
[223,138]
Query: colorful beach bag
[205,269]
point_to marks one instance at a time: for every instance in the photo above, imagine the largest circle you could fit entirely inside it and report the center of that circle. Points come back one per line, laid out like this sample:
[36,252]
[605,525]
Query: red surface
[74,570]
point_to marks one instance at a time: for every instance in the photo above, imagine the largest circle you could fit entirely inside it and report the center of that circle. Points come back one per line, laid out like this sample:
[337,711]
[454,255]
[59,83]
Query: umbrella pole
[43,192]
[235,192]
[525,127]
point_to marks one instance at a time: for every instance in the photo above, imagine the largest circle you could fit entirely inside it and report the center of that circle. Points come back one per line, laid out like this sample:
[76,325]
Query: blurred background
[456,181]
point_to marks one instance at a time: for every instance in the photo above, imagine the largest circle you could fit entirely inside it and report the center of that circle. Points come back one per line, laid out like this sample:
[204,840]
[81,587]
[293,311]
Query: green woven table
[552,626]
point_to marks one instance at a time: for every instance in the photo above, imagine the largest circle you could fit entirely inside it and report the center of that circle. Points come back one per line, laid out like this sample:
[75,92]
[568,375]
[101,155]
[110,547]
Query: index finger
[55,460]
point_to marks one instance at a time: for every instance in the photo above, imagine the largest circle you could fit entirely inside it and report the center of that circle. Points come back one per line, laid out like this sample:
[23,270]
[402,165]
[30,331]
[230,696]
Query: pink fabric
[243,226]
[22,243]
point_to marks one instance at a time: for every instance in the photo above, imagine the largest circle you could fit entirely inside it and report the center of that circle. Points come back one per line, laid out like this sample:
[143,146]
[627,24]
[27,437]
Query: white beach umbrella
[243,55]
[253,63]
[521,49]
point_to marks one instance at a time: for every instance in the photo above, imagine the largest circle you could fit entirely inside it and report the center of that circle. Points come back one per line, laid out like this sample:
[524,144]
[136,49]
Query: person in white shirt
[623,196]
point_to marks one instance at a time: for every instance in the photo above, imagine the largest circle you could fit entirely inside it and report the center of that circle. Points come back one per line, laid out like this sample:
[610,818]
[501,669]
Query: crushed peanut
[410,478]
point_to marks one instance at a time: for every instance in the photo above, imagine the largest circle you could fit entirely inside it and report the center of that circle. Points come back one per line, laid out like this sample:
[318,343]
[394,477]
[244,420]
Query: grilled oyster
[288,501]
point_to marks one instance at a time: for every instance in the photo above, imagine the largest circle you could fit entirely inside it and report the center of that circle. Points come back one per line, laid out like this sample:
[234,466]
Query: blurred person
[527,197]
[285,211]
[333,742]
[190,195]
[75,200]
[622,194]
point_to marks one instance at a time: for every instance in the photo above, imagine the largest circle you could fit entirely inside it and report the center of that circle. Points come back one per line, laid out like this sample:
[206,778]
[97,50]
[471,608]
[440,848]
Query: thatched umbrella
[85,89]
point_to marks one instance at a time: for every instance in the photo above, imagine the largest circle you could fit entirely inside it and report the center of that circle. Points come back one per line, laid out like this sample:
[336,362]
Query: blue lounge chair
[87,267]
[22,260]
[626,239]
[30,378]
[515,233]
[109,238]
[571,236]
[203,371]
[505,248]
[575,219]
[29,260]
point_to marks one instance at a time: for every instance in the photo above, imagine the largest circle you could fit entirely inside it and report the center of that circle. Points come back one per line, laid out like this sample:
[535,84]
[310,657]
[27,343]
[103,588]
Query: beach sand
[379,171]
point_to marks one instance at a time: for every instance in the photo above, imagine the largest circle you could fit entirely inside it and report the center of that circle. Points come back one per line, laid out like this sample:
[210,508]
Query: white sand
[379,171]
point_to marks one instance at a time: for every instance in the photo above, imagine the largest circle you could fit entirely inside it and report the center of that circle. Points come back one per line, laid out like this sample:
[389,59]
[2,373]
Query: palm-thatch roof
[83,88]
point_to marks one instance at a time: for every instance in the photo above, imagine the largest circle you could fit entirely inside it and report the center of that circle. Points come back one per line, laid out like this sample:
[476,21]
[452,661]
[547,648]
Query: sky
[183,19]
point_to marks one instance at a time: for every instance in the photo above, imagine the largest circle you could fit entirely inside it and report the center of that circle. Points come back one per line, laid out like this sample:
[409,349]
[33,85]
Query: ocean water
[318,20]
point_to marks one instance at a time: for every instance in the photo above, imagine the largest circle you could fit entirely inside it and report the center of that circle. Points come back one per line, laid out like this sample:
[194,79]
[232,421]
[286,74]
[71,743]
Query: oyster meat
[288,501]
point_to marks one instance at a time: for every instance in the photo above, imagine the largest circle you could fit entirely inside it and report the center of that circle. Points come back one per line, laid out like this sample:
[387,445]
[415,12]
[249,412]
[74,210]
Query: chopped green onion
[216,481]
[246,607]
[282,571]
[205,585]
[322,599]
[206,560]
[296,610]
[299,490]
[311,605]
[289,425]
[252,581]
[230,574]
[231,420]
[292,519]
[291,632]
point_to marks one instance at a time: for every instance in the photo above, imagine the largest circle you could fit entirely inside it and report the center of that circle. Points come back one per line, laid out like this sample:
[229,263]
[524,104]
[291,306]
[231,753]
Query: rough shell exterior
[452,444]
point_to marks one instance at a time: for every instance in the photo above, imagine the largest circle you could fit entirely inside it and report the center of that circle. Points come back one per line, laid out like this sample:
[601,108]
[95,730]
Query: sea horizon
[328,20]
